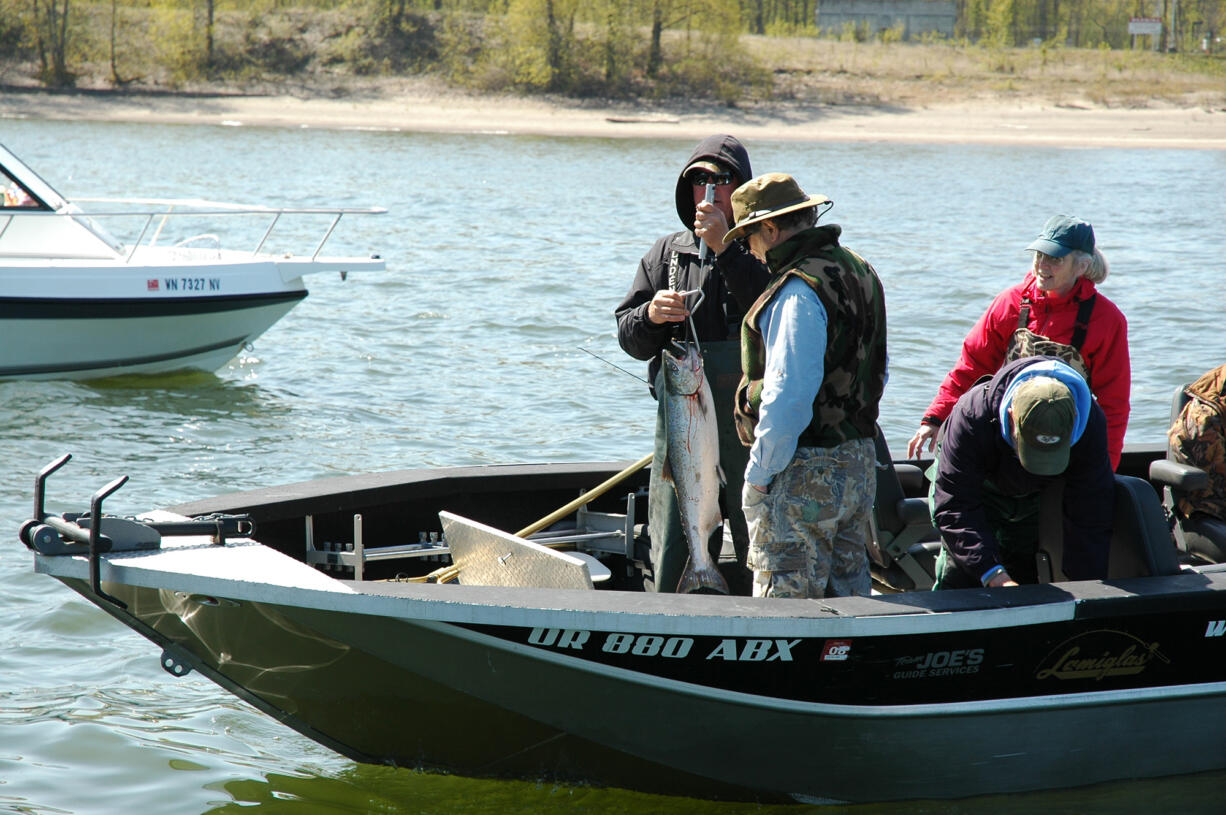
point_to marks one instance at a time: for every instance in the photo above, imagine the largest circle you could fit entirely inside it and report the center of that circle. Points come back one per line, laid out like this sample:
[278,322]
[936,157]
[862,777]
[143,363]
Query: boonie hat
[1063,234]
[1044,415]
[768,196]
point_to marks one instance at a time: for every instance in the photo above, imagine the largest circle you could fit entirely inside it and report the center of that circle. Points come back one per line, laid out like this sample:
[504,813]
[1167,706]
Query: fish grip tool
[691,331]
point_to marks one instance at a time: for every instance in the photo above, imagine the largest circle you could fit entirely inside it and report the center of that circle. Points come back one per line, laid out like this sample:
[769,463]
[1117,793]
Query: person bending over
[1004,442]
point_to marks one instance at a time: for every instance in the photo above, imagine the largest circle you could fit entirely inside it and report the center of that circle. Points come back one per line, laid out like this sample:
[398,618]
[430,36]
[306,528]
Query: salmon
[692,462]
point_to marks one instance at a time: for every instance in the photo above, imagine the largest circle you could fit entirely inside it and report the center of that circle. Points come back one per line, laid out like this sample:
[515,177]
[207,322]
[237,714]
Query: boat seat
[904,545]
[1201,536]
[1141,543]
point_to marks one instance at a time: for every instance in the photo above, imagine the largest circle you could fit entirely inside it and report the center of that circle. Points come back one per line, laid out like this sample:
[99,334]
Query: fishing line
[693,332]
[618,367]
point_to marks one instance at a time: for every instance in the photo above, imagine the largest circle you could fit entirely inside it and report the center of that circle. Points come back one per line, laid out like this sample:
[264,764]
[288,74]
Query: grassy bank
[357,49]
[915,75]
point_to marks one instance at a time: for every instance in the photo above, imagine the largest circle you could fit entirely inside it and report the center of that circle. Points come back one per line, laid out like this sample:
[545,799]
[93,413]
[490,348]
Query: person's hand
[710,225]
[1001,579]
[927,434]
[752,495]
[667,307]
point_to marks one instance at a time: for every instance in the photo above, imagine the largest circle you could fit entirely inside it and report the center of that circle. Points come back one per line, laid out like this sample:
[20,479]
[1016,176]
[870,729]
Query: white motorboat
[76,302]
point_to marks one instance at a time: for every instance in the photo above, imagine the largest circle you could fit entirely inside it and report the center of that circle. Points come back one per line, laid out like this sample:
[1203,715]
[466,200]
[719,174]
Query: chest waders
[1026,343]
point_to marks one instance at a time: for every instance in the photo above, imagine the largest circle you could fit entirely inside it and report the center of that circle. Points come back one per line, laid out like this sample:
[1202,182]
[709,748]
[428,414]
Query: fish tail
[708,577]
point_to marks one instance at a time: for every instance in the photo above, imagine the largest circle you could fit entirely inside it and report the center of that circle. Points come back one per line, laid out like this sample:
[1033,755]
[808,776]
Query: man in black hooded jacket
[653,313]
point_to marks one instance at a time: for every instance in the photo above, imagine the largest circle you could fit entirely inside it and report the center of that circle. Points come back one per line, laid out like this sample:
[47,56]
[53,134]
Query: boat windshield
[16,196]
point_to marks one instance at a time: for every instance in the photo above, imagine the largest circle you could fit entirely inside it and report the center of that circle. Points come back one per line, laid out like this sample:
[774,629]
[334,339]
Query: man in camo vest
[813,352]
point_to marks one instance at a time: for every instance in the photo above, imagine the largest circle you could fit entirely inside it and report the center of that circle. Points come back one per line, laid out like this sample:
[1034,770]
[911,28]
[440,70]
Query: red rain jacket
[1105,350]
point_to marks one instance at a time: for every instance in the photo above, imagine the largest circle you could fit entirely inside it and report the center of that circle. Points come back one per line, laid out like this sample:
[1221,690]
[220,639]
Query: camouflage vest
[846,404]
[1026,343]
[1198,437]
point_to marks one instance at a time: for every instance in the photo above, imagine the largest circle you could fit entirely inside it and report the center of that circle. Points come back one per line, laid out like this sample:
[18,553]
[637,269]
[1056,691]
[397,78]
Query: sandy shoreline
[410,108]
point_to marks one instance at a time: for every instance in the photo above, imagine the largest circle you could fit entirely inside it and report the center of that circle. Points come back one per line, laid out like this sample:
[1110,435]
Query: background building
[874,16]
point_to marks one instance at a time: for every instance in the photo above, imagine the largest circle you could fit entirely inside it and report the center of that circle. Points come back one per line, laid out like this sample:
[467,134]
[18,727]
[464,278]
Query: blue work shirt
[793,327]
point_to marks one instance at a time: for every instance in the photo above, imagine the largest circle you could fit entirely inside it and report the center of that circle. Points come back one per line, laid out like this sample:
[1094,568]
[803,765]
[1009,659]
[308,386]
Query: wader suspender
[1080,327]
[1023,314]
[1083,322]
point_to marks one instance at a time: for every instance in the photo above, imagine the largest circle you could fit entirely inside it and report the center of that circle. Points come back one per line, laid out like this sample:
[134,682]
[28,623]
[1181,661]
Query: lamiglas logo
[939,663]
[1099,654]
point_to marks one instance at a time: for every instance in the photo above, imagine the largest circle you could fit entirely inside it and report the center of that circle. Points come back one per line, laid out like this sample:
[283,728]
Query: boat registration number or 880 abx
[185,284]
[650,645]
[993,663]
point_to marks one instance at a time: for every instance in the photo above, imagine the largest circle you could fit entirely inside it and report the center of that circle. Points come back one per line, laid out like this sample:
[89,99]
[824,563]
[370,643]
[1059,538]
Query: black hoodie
[725,151]
[731,282]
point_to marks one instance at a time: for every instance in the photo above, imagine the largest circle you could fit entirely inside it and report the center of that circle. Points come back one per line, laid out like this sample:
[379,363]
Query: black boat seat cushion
[1141,543]
[903,551]
[1205,537]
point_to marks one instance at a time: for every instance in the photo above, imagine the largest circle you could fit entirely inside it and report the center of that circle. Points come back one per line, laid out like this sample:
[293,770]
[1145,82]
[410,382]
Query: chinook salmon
[692,462]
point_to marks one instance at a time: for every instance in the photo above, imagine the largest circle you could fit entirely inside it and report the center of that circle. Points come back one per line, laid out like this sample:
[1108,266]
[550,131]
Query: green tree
[1001,24]
[972,18]
[540,39]
[51,40]
[618,41]
[655,48]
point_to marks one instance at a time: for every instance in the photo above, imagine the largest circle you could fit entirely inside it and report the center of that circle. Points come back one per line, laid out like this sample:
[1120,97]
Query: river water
[506,256]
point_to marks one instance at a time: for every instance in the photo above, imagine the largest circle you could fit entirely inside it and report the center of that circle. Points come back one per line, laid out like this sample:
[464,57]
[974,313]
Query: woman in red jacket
[1057,311]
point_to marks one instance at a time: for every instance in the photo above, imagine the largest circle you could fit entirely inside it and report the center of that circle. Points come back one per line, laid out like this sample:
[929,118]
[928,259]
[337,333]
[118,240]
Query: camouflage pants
[807,536]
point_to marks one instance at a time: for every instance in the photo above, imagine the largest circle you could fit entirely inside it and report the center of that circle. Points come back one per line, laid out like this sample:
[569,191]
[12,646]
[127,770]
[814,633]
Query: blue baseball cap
[1063,234]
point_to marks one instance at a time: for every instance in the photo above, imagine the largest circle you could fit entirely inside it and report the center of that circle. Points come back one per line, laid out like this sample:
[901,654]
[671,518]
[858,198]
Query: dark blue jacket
[973,451]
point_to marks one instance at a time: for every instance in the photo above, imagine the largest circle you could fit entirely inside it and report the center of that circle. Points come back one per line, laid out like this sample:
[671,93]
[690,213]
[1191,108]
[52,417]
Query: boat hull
[931,696]
[83,339]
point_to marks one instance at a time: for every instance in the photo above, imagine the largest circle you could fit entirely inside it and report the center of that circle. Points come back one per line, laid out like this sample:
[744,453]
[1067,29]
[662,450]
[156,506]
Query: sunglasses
[702,178]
